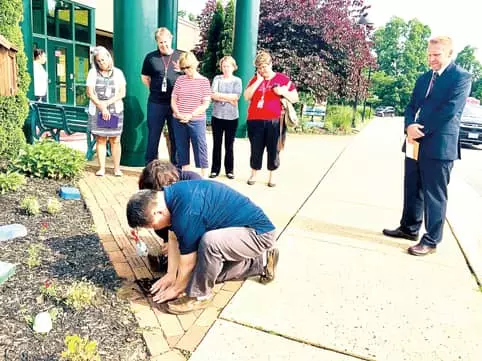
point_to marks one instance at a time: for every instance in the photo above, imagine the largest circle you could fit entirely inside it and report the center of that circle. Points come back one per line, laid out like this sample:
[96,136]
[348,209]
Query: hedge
[13,109]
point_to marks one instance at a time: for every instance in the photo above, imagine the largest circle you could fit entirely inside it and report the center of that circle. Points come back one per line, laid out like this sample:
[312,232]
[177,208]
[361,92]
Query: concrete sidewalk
[343,291]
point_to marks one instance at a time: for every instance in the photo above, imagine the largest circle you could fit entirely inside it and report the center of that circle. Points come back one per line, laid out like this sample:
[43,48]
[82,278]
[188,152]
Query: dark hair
[158,174]
[139,206]
[37,52]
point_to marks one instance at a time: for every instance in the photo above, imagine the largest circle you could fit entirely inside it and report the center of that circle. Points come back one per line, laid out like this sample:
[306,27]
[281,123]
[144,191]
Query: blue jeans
[193,132]
[157,115]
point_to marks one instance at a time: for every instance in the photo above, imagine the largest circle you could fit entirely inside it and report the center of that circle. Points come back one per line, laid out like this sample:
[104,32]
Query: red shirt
[190,93]
[265,96]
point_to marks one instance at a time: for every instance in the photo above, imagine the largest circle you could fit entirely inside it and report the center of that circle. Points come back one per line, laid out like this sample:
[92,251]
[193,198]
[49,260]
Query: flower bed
[61,269]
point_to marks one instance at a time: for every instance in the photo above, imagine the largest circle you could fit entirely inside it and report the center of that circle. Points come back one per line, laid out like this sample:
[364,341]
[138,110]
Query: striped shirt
[189,94]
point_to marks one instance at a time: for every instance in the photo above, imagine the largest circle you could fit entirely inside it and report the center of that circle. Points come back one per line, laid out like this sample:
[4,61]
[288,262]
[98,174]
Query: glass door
[61,76]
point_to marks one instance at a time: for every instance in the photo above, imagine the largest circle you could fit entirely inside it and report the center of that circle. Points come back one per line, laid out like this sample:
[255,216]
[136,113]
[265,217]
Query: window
[81,71]
[82,28]
[59,20]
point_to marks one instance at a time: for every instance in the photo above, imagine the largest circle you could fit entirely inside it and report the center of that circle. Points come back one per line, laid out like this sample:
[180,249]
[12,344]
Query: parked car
[385,111]
[471,125]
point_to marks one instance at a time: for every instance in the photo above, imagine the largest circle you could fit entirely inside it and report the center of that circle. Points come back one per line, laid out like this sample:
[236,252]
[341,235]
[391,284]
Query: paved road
[470,168]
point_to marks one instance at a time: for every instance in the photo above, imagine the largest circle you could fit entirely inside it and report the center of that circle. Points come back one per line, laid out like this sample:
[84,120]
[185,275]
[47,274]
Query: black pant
[220,126]
[264,134]
[425,195]
[157,116]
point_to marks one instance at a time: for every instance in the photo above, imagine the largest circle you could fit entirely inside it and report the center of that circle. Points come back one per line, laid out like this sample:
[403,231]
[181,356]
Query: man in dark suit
[432,121]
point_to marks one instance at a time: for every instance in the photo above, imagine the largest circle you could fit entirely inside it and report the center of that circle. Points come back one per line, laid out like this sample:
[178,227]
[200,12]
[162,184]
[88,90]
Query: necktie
[432,83]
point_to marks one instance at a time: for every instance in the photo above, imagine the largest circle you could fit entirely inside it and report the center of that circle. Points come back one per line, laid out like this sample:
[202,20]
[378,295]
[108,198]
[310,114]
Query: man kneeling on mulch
[221,235]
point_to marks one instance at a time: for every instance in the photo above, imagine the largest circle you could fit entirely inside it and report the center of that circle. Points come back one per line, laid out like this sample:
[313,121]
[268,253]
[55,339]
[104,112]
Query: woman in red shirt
[264,93]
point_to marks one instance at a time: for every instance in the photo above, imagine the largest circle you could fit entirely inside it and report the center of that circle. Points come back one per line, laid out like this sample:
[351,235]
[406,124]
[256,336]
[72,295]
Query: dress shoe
[399,233]
[421,249]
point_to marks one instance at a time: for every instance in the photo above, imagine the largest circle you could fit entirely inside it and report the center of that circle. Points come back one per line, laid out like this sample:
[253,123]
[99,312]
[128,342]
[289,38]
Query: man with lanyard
[159,73]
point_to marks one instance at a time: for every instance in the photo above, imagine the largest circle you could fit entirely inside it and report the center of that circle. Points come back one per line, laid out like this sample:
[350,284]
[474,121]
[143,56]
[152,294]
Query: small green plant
[53,206]
[33,259]
[49,159]
[80,349]
[50,289]
[28,318]
[80,295]
[11,181]
[30,205]
[54,313]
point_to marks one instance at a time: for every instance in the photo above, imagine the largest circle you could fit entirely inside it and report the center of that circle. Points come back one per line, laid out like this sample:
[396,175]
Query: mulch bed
[70,251]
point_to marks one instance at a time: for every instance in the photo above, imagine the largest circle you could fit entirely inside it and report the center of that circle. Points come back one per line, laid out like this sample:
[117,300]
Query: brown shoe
[421,250]
[272,256]
[186,304]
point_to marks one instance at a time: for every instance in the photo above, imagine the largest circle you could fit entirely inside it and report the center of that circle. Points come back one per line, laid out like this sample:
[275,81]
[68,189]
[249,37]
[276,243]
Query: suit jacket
[439,112]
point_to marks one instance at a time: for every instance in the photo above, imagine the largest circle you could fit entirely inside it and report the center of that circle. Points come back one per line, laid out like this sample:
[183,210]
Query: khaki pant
[227,254]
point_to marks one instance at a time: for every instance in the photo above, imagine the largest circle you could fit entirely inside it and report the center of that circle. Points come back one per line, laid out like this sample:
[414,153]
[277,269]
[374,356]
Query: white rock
[42,323]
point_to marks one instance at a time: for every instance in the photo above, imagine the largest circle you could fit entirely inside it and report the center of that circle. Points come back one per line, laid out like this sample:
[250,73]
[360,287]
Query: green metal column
[28,42]
[167,17]
[134,25]
[244,50]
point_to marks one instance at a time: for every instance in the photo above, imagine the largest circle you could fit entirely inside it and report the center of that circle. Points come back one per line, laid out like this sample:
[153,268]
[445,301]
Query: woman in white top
[106,87]
[40,75]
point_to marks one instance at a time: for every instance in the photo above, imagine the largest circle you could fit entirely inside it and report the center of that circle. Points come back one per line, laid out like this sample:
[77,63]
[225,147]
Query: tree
[204,21]
[467,60]
[227,35]
[401,49]
[213,51]
[324,58]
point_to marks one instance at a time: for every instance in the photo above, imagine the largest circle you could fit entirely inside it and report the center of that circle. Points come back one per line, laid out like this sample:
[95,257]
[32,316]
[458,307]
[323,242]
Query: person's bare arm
[146,79]
[290,95]
[248,93]
[202,108]
[187,262]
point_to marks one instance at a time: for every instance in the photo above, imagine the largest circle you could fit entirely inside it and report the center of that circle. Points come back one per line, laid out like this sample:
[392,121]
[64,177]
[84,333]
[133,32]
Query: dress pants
[228,127]
[425,197]
[157,116]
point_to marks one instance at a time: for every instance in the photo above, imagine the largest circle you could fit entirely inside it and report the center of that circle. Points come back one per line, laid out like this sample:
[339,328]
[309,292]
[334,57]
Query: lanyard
[166,66]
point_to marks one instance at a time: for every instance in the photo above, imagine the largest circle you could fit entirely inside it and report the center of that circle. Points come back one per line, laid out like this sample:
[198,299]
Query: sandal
[251,181]
[270,184]
[100,173]
[118,173]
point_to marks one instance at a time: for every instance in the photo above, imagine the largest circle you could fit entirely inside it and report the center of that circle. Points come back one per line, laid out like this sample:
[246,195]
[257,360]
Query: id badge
[164,85]
[108,92]
[260,103]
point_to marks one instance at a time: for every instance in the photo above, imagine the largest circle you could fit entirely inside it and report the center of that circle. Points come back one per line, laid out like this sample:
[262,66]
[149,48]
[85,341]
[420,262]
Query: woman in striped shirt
[190,99]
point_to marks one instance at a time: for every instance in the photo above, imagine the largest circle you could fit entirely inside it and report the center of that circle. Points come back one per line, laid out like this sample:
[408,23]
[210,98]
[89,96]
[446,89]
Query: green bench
[54,118]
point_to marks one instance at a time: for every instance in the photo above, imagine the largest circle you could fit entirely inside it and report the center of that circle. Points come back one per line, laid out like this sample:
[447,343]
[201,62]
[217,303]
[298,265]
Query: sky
[459,19]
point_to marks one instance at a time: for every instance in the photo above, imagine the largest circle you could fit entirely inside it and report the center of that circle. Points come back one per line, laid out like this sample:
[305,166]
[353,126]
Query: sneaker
[272,256]
[186,304]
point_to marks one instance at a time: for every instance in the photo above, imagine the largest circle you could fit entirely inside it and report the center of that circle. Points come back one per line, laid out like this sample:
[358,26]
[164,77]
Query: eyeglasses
[186,67]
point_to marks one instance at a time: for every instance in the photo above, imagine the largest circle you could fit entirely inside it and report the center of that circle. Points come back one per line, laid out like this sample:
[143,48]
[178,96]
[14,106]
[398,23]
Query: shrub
[33,259]
[11,181]
[80,349]
[30,205]
[49,159]
[53,206]
[80,295]
[339,118]
[13,109]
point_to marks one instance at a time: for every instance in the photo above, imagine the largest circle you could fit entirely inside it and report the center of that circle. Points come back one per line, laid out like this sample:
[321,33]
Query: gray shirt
[225,110]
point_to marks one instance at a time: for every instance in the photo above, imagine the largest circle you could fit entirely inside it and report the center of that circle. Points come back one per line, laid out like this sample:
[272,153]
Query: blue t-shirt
[200,206]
